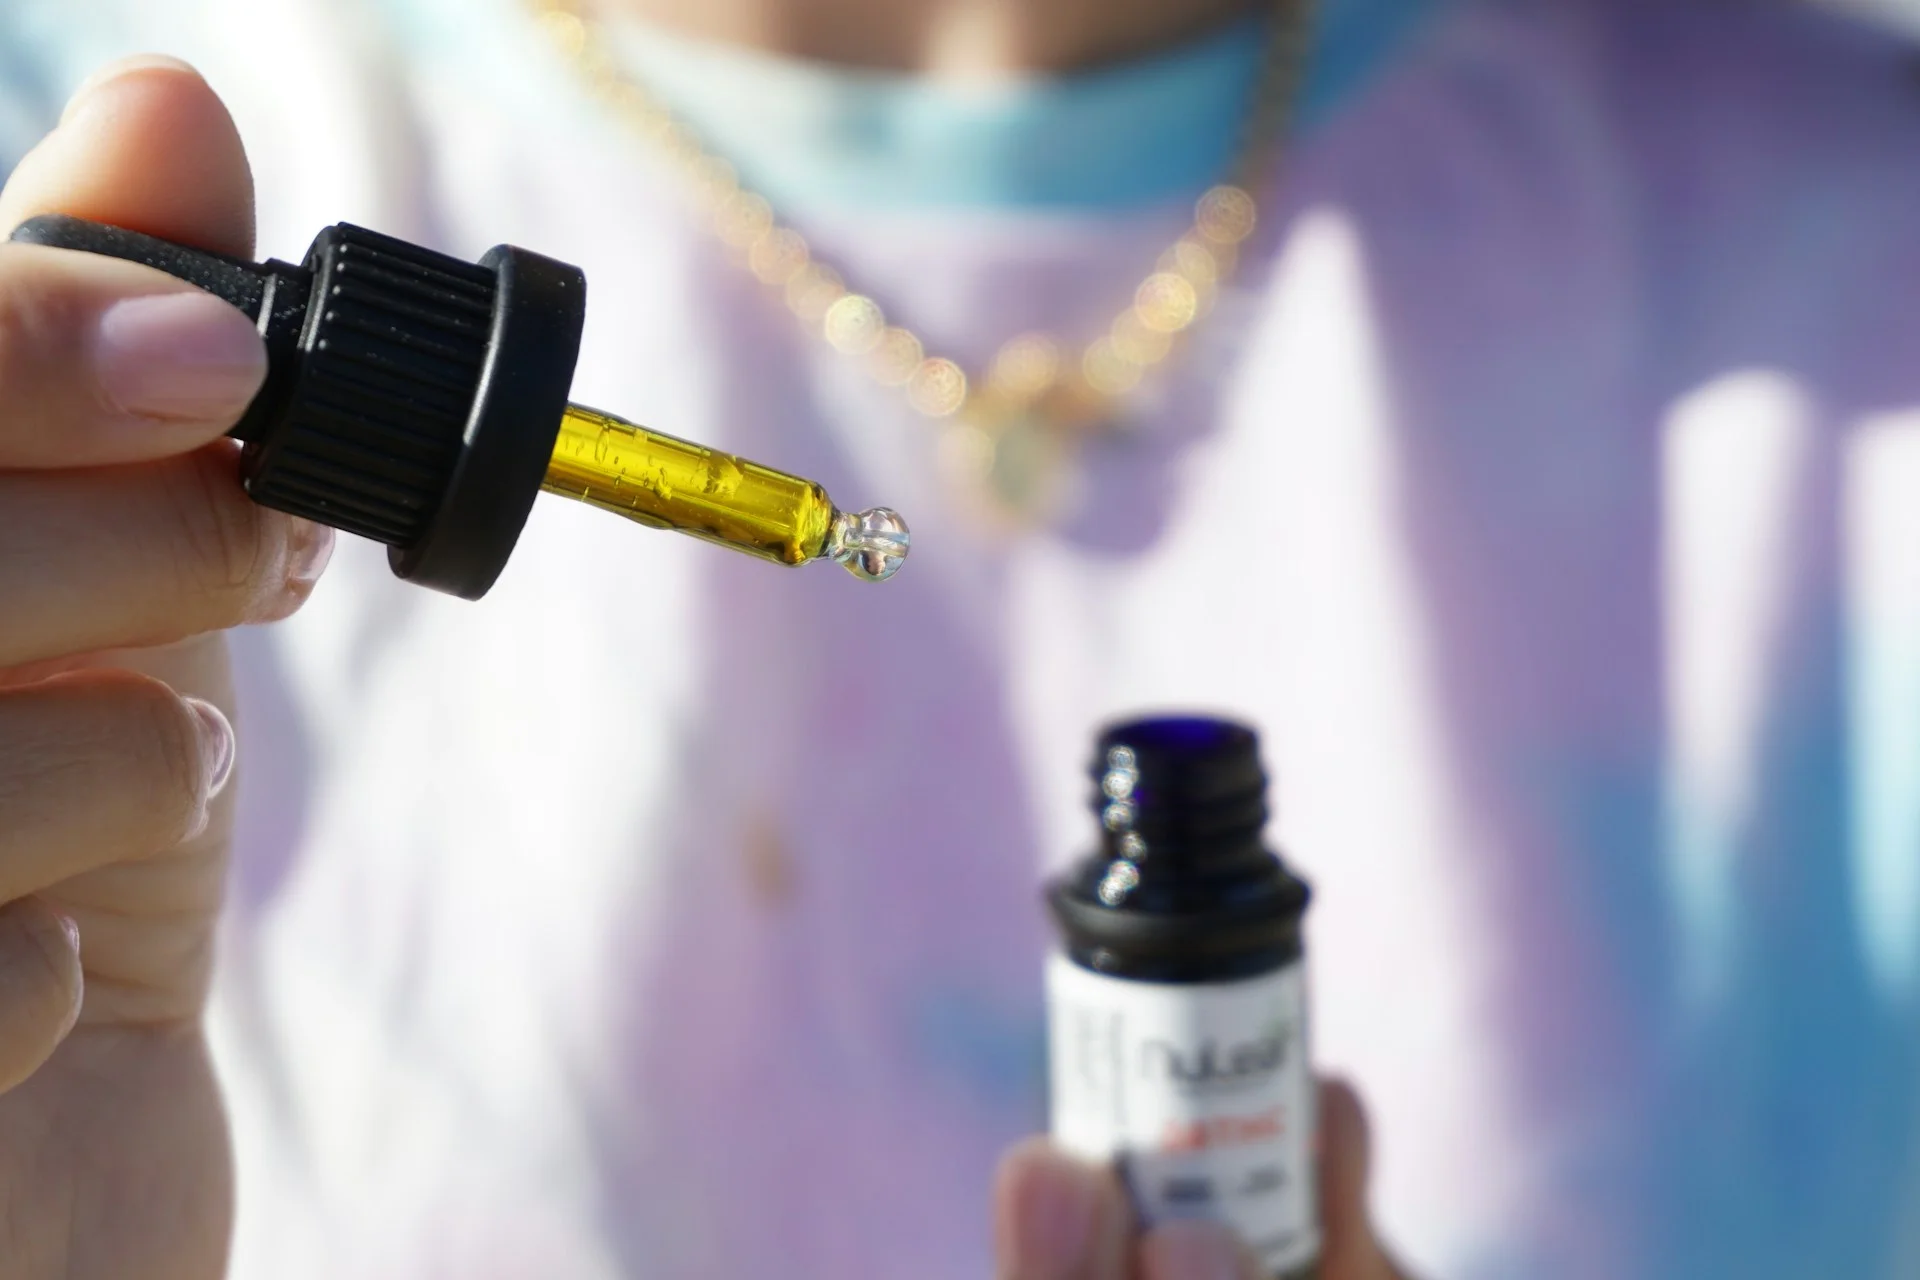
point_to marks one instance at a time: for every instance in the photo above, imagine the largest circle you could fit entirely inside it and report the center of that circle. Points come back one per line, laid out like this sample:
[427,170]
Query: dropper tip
[872,545]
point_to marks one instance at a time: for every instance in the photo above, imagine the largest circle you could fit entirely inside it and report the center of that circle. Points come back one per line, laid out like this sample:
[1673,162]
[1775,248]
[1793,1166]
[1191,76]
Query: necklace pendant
[1027,463]
[1011,461]
[1012,438]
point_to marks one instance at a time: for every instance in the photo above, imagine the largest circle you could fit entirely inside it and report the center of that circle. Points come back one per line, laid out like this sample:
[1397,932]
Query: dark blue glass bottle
[1179,1029]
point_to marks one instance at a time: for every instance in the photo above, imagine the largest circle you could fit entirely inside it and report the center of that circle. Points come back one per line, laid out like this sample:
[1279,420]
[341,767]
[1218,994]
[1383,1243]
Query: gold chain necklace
[1012,431]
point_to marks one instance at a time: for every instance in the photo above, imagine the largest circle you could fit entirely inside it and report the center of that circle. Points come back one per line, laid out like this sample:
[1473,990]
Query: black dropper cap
[411,398]
[1183,887]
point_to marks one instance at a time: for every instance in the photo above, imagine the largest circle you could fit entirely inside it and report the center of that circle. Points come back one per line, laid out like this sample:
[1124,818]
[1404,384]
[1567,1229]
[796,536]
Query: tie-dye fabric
[1549,496]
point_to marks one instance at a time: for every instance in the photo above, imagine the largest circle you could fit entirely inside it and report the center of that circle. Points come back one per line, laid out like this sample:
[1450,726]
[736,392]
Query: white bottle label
[1202,1093]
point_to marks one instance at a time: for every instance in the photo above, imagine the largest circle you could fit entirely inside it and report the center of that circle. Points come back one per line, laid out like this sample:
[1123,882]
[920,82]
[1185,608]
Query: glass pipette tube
[666,483]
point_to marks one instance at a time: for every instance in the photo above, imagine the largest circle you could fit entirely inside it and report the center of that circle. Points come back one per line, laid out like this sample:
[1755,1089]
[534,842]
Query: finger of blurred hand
[119,557]
[99,767]
[1195,1250]
[40,986]
[1057,1218]
[1349,1249]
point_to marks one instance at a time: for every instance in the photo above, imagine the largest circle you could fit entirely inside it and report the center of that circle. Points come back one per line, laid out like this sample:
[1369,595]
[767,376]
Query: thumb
[1349,1251]
[1057,1218]
[145,144]
[1192,1249]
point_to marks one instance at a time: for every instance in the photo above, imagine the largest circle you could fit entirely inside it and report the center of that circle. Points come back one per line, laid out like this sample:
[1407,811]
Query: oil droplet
[871,544]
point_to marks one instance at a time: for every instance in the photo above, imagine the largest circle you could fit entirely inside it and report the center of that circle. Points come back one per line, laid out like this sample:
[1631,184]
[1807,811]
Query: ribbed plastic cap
[411,398]
[396,339]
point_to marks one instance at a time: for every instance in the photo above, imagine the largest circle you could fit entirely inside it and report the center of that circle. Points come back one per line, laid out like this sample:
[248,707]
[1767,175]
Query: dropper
[422,401]
[665,483]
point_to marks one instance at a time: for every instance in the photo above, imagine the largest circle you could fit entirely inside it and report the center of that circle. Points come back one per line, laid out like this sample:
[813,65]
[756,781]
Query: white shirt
[1546,502]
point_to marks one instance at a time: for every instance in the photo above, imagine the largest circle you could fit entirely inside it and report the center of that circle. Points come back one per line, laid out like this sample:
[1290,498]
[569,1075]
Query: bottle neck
[1220,929]
[1182,887]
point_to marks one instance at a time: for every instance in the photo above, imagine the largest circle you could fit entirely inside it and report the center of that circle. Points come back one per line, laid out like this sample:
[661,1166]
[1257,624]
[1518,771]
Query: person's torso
[1542,497]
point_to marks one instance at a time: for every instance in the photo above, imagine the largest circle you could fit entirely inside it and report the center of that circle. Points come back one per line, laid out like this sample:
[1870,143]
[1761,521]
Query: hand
[1058,1219]
[126,546]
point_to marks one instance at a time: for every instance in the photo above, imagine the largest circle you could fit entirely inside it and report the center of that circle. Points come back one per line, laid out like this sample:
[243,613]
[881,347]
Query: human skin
[126,550]
[1057,1219]
[953,38]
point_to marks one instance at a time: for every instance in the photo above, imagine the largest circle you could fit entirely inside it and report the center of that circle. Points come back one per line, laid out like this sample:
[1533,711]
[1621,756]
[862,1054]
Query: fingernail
[72,929]
[186,356]
[1193,1250]
[217,747]
[1054,1233]
[113,71]
[310,548]
[61,952]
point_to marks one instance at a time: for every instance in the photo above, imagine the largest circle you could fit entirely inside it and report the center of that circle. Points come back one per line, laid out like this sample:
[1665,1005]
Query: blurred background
[1541,486]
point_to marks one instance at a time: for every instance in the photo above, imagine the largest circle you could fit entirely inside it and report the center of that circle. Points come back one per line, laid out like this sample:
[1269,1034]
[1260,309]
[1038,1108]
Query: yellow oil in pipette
[667,483]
